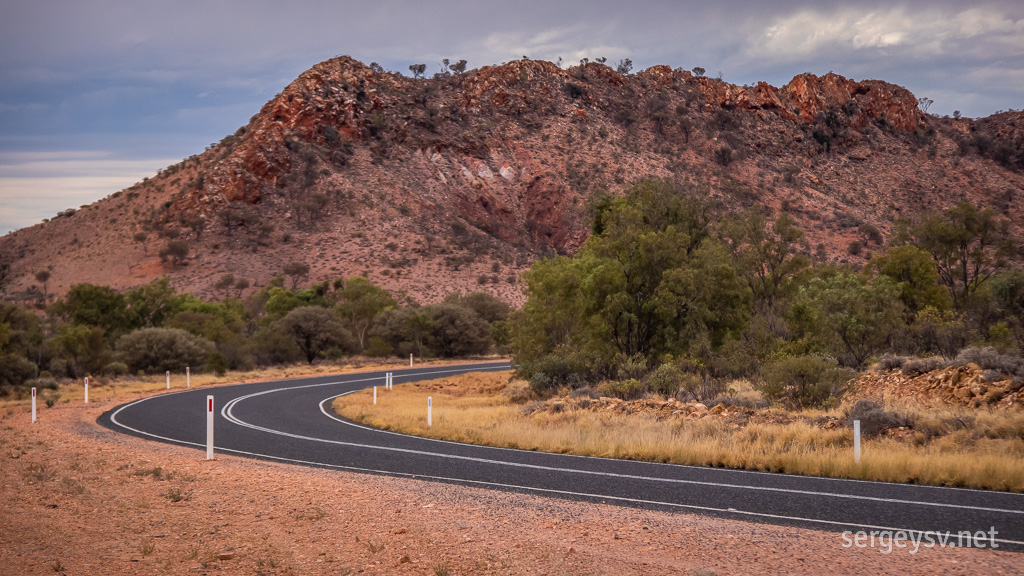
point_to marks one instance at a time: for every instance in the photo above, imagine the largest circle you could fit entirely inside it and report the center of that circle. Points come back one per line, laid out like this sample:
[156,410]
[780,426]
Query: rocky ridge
[459,181]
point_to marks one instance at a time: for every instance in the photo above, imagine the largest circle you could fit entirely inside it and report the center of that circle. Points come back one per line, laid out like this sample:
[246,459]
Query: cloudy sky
[96,95]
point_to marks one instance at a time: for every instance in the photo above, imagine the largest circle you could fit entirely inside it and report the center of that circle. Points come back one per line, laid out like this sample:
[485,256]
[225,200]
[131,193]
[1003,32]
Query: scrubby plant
[115,369]
[804,381]
[874,418]
[628,389]
[920,366]
[155,350]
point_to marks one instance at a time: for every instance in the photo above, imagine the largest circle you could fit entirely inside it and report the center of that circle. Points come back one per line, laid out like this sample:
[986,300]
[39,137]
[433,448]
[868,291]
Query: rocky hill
[461,180]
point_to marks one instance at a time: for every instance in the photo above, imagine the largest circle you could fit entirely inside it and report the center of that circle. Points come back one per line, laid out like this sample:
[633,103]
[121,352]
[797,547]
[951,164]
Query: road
[291,421]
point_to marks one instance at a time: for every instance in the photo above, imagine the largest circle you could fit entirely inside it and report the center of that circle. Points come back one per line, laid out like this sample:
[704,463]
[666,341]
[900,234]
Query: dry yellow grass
[476,408]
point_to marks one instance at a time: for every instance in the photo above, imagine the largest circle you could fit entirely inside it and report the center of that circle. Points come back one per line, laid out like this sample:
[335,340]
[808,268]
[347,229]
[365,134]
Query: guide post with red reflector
[86,389]
[33,405]
[209,427]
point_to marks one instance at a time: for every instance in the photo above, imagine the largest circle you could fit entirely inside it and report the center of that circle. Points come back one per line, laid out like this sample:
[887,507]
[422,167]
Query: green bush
[629,389]
[115,369]
[804,381]
[378,348]
[665,379]
[155,350]
[217,364]
[547,373]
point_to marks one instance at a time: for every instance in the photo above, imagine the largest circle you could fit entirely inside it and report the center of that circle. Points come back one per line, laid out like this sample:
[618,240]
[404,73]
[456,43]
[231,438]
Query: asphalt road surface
[291,421]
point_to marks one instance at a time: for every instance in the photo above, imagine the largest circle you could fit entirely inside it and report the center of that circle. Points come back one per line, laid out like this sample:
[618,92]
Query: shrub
[458,331]
[518,392]
[15,369]
[804,381]
[699,387]
[378,348]
[990,359]
[923,366]
[731,401]
[874,419]
[547,373]
[217,364]
[155,350]
[723,155]
[115,369]
[665,379]
[891,361]
[629,389]
[314,330]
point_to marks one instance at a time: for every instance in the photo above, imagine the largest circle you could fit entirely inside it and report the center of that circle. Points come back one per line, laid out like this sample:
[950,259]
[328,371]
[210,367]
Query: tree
[43,276]
[457,331]
[404,329]
[297,271]
[417,70]
[914,272]
[91,305]
[150,305]
[314,330]
[140,238]
[20,340]
[197,225]
[176,250]
[766,255]
[649,282]
[698,71]
[458,67]
[84,348]
[968,246]
[486,306]
[225,284]
[362,300]
[1008,294]
[624,66]
[847,316]
[240,285]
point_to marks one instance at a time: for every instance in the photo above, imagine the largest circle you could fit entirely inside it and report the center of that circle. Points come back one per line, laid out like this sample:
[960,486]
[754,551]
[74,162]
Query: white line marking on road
[228,413]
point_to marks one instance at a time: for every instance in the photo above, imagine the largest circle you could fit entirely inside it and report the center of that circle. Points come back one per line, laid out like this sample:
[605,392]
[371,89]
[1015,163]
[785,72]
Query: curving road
[291,421]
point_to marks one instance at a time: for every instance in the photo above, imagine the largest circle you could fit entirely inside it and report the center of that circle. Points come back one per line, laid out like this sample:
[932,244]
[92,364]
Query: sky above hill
[94,96]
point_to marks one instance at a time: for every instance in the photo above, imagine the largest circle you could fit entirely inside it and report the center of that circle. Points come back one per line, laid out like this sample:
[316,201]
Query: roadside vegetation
[671,294]
[682,332]
[130,339]
[928,444]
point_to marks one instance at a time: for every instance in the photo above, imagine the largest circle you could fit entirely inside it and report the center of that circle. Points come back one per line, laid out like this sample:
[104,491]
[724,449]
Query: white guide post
[430,408]
[209,427]
[188,378]
[410,360]
[168,379]
[33,405]
[374,395]
[86,389]
[856,441]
